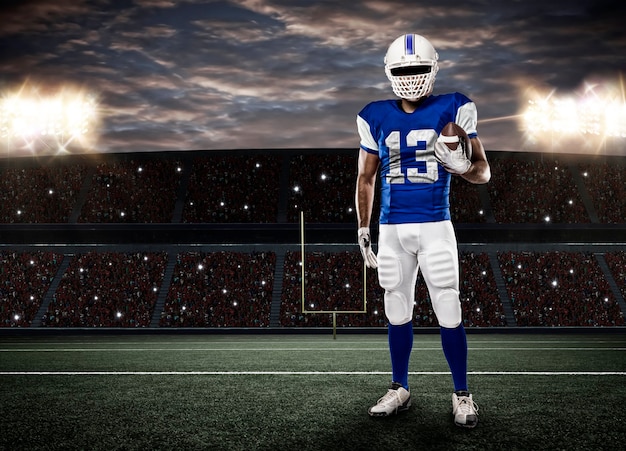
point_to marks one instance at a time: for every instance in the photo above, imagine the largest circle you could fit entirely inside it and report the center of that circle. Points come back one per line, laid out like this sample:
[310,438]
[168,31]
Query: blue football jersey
[414,186]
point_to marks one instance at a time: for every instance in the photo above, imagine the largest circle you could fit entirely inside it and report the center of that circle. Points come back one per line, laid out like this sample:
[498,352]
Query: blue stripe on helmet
[409,44]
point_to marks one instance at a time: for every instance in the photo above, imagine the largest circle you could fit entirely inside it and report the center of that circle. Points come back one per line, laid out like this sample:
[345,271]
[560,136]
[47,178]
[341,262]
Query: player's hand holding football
[365,244]
[454,161]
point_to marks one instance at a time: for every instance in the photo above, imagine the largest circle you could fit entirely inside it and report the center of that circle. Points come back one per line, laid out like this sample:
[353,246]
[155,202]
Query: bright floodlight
[568,116]
[32,120]
[597,111]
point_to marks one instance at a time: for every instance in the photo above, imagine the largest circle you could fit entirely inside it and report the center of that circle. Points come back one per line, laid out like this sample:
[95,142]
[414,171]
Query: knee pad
[447,307]
[397,310]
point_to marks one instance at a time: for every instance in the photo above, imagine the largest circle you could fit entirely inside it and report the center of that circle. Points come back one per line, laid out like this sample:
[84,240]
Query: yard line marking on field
[174,349]
[260,349]
[283,343]
[383,338]
[303,373]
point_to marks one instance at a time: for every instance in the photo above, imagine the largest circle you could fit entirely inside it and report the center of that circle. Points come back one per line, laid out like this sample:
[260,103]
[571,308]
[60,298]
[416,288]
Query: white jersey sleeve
[368,143]
[467,118]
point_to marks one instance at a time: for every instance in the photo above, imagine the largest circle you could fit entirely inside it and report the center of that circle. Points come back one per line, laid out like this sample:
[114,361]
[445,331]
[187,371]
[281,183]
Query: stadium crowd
[42,194]
[322,186]
[107,289]
[465,202]
[132,192]
[536,191]
[234,289]
[102,289]
[617,265]
[606,184]
[246,188]
[220,289]
[334,282]
[25,277]
[232,188]
[558,289]
[480,300]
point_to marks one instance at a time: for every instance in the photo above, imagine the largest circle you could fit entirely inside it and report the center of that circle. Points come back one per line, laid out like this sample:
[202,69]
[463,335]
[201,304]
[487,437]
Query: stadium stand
[322,185]
[559,289]
[25,279]
[535,191]
[466,203]
[233,189]
[606,184]
[45,194]
[333,278]
[220,289]
[245,207]
[107,289]
[333,282]
[616,262]
[132,192]
[481,304]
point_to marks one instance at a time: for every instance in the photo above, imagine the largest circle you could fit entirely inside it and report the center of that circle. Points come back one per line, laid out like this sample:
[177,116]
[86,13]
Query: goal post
[334,313]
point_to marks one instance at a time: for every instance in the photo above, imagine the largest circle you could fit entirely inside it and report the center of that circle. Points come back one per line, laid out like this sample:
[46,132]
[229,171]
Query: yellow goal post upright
[334,313]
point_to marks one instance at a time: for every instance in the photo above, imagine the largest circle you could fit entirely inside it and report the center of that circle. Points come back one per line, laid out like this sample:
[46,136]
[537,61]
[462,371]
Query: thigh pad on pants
[398,306]
[441,272]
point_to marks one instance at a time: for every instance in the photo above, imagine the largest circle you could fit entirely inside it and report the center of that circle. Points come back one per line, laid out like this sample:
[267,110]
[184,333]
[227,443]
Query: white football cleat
[397,399]
[464,409]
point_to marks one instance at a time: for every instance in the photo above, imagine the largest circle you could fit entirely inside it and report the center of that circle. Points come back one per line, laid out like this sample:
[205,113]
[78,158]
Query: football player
[401,139]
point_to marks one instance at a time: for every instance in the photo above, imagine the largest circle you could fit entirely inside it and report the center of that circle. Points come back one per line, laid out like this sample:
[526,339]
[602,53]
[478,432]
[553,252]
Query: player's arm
[365,185]
[364,199]
[479,171]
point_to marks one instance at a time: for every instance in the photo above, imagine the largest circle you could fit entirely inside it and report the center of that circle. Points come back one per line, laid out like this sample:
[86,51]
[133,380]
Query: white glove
[365,244]
[454,161]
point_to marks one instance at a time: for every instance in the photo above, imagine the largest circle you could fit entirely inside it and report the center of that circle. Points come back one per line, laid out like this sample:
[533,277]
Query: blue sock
[454,343]
[400,346]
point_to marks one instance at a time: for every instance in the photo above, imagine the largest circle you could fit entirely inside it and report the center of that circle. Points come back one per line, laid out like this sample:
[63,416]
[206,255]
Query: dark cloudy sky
[185,75]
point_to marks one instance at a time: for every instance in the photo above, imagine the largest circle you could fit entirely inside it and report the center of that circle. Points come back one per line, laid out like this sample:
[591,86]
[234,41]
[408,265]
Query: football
[453,135]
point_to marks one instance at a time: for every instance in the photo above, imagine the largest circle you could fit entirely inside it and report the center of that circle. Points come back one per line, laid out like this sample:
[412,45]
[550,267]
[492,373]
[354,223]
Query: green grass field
[301,392]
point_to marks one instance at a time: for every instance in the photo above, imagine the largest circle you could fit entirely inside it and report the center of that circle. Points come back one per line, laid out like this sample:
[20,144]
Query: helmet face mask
[410,70]
[411,66]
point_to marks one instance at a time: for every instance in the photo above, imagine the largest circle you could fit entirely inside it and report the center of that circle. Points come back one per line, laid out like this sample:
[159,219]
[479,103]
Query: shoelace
[465,406]
[391,395]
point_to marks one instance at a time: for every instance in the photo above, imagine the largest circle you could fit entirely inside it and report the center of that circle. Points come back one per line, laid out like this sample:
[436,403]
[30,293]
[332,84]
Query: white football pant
[431,247]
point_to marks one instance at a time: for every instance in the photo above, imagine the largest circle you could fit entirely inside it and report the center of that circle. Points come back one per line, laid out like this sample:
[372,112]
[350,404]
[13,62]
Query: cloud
[285,73]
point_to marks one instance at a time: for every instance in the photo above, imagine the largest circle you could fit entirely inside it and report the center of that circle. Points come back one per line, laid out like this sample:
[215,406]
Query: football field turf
[301,392]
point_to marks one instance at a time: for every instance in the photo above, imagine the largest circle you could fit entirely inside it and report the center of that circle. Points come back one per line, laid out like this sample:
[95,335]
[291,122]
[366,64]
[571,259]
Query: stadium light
[32,121]
[597,112]
[600,117]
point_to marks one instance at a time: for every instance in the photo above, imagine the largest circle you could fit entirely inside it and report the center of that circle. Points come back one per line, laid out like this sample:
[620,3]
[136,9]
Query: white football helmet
[411,66]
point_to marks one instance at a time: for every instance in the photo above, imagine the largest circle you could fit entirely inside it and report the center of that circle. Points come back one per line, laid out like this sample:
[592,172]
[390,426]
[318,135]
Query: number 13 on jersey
[422,168]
